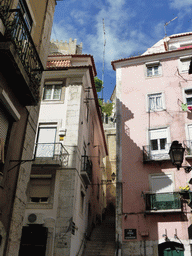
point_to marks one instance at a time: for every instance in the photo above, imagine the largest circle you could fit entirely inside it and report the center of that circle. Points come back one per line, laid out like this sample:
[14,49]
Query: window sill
[156,110]
[151,77]
[31,205]
[44,102]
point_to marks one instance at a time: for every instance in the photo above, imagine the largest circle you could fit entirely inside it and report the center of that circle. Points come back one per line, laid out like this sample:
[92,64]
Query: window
[26,14]
[52,91]
[188,97]
[158,139]
[162,196]
[156,102]
[46,141]
[40,188]
[153,69]
[185,63]
[161,183]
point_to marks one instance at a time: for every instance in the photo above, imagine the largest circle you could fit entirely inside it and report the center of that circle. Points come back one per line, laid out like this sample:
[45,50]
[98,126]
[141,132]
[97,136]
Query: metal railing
[17,32]
[162,201]
[156,155]
[54,151]
[4,9]
[86,166]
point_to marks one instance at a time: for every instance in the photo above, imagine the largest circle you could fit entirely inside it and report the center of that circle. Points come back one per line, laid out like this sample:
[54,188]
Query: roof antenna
[167,23]
[103,56]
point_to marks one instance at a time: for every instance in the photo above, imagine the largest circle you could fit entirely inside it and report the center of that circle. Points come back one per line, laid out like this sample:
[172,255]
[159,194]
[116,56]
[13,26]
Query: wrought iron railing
[156,155]
[162,201]
[188,147]
[17,31]
[4,9]
[86,166]
[54,151]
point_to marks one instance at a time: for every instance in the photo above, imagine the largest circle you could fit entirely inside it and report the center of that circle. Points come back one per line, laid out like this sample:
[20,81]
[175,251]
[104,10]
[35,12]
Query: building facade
[65,196]
[25,28]
[109,123]
[153,103]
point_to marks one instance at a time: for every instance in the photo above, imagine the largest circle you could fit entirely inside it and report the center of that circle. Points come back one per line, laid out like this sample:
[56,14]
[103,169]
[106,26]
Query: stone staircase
[102,240]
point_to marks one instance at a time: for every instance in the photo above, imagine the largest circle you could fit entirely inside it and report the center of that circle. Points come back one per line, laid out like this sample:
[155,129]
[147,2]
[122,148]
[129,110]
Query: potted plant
[184,191]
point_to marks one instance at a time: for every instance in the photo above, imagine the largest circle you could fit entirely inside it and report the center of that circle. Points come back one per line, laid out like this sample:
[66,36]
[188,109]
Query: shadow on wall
[135,181]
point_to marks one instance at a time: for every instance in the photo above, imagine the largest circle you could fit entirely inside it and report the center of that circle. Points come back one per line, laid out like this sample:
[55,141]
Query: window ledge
[151,77]
[157,110]
[31,205]
[44,102]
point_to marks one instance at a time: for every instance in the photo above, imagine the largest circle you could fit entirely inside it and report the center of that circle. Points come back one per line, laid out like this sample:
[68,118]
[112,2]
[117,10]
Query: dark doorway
[33,240]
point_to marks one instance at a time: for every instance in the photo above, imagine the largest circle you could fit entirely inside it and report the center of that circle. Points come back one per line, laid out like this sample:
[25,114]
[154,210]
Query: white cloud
[122,40]
[177,4]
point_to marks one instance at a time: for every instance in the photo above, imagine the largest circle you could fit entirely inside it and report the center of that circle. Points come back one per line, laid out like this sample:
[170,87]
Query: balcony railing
[156,155]
[86,169]
[51,153]
[4,9]
[17,32]
[162,201]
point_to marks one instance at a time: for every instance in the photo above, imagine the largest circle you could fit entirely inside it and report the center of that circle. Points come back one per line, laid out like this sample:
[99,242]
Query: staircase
[102,241]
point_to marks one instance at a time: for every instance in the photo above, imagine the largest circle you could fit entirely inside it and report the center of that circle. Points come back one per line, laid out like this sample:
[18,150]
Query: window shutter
[40,187]
[158,134]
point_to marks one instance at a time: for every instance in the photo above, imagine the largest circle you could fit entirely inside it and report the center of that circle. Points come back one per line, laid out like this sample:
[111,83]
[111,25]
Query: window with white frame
[52,91]
[46,141]
[185,63]
[158,139]
[153,69]
[156,102]
[188,96]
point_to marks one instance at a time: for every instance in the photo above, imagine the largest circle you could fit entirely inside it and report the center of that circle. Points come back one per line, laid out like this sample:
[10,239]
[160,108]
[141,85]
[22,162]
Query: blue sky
[131,26]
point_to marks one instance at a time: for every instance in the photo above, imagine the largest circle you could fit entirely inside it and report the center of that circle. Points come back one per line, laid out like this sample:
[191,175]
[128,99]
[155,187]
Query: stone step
[102,241]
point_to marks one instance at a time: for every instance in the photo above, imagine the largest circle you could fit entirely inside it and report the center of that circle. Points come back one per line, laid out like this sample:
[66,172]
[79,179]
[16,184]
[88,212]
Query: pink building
[153,100]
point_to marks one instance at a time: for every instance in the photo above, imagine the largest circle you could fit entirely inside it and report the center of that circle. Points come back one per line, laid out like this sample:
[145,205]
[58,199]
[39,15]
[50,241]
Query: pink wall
[135,124]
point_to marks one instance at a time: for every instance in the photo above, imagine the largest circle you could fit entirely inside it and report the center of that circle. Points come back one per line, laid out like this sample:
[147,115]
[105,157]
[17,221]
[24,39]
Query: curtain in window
[46,142]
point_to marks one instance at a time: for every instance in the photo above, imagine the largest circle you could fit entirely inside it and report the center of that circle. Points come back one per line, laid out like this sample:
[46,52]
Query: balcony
[50,154]
[156,155]
[86,170]
[162,202]
[19,56]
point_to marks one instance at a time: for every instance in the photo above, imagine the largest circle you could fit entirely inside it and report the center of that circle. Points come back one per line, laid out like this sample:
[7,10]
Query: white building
[64,196]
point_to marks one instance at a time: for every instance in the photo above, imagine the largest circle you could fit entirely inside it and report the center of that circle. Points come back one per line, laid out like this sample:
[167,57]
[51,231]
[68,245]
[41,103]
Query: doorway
[33,240]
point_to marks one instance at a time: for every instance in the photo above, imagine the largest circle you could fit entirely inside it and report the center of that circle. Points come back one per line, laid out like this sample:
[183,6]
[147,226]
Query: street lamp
[176,153]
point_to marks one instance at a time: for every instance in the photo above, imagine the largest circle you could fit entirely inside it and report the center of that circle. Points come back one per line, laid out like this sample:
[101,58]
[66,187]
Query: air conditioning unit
[35,218]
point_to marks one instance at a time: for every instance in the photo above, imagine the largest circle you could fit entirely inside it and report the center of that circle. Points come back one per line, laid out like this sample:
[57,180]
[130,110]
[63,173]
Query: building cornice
[150,57]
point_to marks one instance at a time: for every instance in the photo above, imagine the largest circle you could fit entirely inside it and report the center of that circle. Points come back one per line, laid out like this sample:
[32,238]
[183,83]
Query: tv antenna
[103,56]
[167,23]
